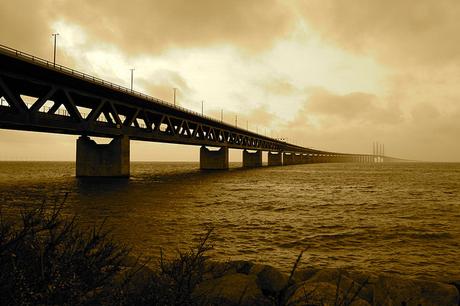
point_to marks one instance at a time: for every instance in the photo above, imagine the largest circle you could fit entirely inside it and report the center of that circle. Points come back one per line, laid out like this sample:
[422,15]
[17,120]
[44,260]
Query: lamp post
[132,78]
[202,108]
[174,95]
[54,52]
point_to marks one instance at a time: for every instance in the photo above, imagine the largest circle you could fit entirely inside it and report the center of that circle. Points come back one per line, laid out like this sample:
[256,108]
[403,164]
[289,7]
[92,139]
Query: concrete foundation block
[213,160]
[275,159]
[107,160]
[252,159]
[288,159]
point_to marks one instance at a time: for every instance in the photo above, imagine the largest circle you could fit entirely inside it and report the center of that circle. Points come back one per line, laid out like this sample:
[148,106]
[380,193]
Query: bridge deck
[47,97]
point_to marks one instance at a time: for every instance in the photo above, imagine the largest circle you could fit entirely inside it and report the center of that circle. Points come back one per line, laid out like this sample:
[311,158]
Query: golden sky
[329,74]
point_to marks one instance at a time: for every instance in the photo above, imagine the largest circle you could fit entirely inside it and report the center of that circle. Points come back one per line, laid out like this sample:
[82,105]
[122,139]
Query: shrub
[175,280]
[47,260]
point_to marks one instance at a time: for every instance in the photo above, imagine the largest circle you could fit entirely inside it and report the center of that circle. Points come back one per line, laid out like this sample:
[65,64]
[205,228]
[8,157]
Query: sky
[327,74]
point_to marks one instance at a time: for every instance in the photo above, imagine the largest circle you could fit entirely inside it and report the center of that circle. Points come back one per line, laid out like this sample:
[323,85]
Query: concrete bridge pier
[304,158]
[296,158]
[275,158]
[213,159]
[252,159]
[288,159]
[107,160]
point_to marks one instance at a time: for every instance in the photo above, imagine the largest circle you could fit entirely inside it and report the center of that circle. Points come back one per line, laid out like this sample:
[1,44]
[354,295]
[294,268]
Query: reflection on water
[402,218]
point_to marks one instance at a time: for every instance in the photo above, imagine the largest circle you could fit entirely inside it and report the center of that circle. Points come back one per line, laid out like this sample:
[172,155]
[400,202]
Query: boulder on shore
[390,290]
[323,293]
[350,282]
[247,283]
[270,280]
[231,290]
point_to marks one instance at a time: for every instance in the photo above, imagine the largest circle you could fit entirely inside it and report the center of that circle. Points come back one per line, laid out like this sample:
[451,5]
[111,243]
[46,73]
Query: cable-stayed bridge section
[38,95]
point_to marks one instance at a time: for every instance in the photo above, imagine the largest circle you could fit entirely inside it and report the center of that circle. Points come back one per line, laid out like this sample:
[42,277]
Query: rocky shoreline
[247,283]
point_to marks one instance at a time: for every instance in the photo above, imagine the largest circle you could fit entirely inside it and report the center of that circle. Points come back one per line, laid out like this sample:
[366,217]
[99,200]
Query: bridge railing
[96,80]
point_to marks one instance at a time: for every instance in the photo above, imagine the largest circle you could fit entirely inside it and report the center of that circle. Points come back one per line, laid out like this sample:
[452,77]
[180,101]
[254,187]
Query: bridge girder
[45,97]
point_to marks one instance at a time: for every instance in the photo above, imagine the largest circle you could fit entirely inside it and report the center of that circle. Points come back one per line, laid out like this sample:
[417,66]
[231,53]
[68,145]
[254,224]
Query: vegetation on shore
[46,259]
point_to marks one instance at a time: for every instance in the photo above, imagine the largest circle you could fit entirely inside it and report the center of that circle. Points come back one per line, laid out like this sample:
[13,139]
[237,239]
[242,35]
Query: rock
[242,266]
[391,290]
[231,289]
[216,269]
[348,284]
[130,261]
[322,293]
[269,279]
[456,283]
[137,282]
[304,274]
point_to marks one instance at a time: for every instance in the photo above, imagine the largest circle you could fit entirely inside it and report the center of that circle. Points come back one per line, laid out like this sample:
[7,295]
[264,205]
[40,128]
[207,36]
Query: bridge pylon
[103,160]
[275,158]
[252,159]
[213,159]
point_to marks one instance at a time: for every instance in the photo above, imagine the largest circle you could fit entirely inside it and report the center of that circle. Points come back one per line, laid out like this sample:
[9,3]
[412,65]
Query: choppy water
[401,218]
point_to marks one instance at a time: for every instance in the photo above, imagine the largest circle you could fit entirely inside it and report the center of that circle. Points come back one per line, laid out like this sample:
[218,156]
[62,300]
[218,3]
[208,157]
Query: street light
[132,78]
[174,95]
[54,53]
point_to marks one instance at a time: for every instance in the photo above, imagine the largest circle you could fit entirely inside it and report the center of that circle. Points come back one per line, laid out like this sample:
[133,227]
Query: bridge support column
[297,159]
[213,160]
[252,159]
[109,160]
[288,159]
[275,159]
[304,158]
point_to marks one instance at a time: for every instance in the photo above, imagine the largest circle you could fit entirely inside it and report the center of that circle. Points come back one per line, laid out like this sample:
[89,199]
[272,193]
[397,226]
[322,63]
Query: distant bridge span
[38,95]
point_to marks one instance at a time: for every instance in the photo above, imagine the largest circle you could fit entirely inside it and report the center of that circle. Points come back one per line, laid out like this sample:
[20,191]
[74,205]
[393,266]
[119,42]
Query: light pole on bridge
[55,35]
[175,89]
[132,78]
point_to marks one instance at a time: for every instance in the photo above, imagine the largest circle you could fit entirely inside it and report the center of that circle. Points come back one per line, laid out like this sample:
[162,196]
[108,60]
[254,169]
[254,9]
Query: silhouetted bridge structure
[38,95]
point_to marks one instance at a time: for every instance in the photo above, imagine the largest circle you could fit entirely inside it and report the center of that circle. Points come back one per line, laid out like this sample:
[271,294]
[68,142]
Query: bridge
[38,95]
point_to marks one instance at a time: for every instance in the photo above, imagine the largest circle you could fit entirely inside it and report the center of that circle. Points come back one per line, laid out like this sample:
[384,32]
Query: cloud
[354,106]
[277,86]
[25,25]
[403,32]
[258,119]
[151,26]
[161,84]
[349,106]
